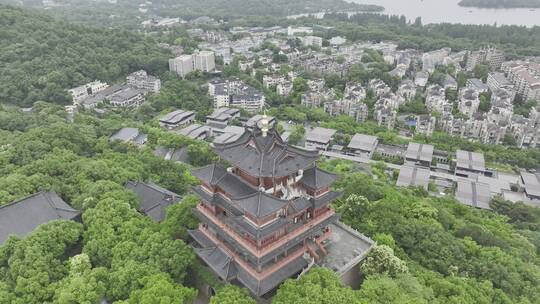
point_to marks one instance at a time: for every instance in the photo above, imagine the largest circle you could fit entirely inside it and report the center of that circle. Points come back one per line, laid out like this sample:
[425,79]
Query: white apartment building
[81,92]
[204,61]
[141,80]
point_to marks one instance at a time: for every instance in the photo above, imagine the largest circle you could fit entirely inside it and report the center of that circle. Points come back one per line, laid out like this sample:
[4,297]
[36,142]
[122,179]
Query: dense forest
[516,41]
[430,250]
[500,3]
[41,58]
[130,13]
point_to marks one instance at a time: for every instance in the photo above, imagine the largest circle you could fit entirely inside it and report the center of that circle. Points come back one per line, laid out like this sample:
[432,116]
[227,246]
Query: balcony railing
[260,252]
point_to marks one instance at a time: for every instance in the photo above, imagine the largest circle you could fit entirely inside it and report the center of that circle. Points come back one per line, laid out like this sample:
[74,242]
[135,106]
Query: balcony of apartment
[259,251]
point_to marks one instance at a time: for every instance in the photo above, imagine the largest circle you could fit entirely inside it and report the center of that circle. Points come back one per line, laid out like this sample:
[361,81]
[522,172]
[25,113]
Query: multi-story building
[432,59]
[182,65]
[469,101]
[379,87]
[425,124]
[314,99]
[268,217]
[489,55]
[285,88]
[235,93]
[497,81]
[204,61]
[385,116]
[407,90]
[360,112]
[141,80]
[312,41]
[436,100]
[81,92]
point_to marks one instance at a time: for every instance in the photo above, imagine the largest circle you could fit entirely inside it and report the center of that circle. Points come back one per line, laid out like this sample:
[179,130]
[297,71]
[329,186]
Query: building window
[295,219]
[308,215]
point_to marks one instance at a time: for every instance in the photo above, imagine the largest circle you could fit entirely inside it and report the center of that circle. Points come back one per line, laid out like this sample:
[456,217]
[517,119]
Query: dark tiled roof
[260,204]
[326,199]
[153,199]
[265,156]
[21,217]
[240,223]
[316,178]
[217,175]
[221,262]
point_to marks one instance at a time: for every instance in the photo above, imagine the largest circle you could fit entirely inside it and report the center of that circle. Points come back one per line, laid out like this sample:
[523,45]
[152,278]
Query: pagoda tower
[266,215]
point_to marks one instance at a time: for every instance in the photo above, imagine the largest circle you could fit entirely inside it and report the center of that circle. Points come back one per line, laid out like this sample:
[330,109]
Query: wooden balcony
[260,252]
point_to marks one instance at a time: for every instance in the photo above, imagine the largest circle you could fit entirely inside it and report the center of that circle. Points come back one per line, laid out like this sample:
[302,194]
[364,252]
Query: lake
[438,11]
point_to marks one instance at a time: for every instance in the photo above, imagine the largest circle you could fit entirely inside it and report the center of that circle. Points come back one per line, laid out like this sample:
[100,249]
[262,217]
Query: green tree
[231,294]
[161,289]
[317,286]
[381,260]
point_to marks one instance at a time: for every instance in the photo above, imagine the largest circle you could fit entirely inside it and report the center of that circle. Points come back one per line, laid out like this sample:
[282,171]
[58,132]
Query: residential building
[21,217]
[436,100]
[319,138]
[477,85]
[359,112]
[410,176]
[497,81]
[268,217]
[312,41]
[363,145]
[385,116]
[153,199]
[449,83]
[177,118]
[203,61]
[421,79]
[425,124]
[490,55]
[469,101]
[182,65]
[407,90]
[81,92]
[379,87]
[431,60]
[235,93]
[142,81]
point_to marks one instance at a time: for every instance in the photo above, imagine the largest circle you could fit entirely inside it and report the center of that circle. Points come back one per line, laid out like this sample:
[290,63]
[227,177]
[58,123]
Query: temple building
[266,216]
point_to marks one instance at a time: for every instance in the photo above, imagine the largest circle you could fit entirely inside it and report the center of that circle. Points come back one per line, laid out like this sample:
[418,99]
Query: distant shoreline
[500,4]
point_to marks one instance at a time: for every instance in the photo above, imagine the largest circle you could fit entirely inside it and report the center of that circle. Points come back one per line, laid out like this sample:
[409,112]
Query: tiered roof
[265,156]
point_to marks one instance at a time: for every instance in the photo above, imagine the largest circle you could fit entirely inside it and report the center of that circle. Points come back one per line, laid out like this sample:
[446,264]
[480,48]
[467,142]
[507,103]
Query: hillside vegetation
[40,58]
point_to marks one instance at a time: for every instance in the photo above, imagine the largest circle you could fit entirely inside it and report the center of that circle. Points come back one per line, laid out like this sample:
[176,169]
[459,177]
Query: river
[438,11]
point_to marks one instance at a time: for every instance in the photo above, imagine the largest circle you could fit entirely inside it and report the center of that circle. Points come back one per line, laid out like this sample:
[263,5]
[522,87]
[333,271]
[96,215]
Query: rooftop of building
[23,216]
[475,194]
[176,116]
[346,248]
[265,155]
[363,142]
[320,135]
[419,152]
[531,182]
[153,199]
[470,160]
[413,176]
